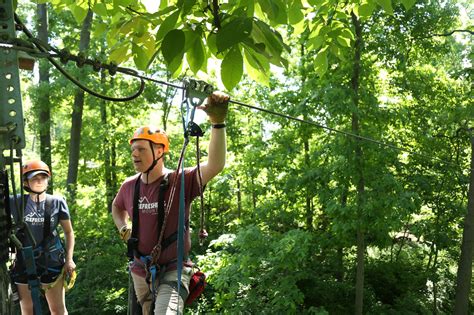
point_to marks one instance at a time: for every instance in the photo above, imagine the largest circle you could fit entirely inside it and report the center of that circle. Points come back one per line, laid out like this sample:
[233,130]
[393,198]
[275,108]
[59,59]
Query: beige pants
[167,296]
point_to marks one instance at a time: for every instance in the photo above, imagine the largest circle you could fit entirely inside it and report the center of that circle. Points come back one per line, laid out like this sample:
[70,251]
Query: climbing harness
[35,258]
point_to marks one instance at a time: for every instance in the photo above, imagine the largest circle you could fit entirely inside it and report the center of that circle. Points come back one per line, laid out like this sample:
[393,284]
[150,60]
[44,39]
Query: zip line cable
[65,56]
[112,68]
[349,134]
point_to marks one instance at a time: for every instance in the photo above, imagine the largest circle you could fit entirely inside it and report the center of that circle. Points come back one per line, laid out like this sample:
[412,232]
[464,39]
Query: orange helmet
[34,167]
[152,134]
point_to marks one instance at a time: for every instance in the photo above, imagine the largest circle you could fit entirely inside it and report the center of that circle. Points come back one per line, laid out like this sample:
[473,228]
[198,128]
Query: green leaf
[99,29]
[344,41]
[163,12]
[147,42]
[295,12]
[187,7]
[195,55]
[99,8]
[172,46]
[78,13]
[275,10]
[139,57]
[321,62]
[338,52]
[299,28]
[408,4]
[233,33]
[316,42]
[168,24]
[232,68]
[129,26]
[120,54]
[366,9]
[163,4]
[175,68]
[347,34]
[320,29]
[257,66]
[211,45]
[122,3]
[273,43]
[141,27]
[386,5]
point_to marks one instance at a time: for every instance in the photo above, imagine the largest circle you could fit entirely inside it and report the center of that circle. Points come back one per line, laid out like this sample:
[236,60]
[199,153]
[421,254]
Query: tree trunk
[309,209]
[110,185]
[339,272]
[359,294]
[43,104]
[308,199]
[166,101]
[463,282]
[76,124]
[239,200]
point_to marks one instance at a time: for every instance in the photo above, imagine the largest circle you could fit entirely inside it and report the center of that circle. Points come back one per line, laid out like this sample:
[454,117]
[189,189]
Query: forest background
[304,219]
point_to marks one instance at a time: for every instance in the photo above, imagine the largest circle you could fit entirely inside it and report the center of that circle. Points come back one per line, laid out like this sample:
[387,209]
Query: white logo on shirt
[143,200]
[148,207]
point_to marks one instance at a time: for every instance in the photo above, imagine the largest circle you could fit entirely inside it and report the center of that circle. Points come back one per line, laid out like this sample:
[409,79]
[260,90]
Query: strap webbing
[173,237]
[161,206]
[33,280]
[136,195]
[47,233]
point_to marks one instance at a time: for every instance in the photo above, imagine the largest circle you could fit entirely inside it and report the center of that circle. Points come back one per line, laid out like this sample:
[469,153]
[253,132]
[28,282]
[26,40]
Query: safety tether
[195,94]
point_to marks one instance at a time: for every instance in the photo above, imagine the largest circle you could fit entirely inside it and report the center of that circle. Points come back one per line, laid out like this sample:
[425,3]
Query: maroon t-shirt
[148,212]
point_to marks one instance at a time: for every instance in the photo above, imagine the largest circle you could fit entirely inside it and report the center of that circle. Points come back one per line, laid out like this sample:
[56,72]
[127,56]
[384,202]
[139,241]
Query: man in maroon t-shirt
[148,146]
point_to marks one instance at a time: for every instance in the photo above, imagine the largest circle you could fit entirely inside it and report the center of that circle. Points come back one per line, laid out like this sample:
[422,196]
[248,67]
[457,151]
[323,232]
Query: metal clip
[197,91]
[194,130]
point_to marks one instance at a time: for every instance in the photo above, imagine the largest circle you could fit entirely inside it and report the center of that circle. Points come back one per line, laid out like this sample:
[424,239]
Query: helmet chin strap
[28,189]
[155,161]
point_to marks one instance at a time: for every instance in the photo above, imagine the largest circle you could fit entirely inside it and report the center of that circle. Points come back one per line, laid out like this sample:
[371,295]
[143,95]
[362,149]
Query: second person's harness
[153,271]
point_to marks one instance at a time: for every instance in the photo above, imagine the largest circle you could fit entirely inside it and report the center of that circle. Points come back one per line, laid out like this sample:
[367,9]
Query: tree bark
[464,275]
[239,200]
[339,272]
[309,208]
[76,123]
[43,104]
[359,294]
[109,159]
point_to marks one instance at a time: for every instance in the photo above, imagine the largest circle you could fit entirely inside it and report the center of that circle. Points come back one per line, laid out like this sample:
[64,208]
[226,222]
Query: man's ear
[159,149]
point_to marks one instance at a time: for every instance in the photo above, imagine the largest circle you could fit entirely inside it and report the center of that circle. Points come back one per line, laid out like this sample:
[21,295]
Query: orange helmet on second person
[33,168]
[152,134]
